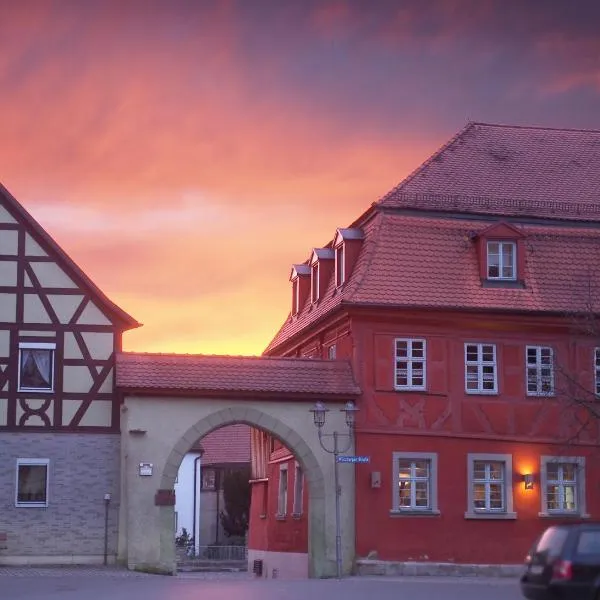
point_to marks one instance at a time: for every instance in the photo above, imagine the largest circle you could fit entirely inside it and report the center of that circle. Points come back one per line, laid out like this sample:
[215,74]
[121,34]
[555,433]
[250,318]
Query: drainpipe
[218,486]
[196,533]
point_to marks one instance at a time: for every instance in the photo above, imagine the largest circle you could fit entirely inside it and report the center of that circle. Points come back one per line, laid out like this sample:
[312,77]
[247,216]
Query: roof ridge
[426,163]
[260,358]
[535,127]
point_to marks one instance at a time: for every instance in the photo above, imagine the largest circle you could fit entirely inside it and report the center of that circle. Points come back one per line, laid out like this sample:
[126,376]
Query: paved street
[97,584]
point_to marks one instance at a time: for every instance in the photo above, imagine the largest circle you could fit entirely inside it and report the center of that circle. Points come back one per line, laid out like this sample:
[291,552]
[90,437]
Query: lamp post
[319,414]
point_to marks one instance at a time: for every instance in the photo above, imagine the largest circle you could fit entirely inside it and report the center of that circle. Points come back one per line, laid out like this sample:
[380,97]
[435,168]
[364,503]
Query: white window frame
[432,459]
[298,490]
[597,370]
[481,364]
[32,462]
[507,512]
[410,361]
[580,503]
[340,270]
[282,492]
[501,244]
[50,346]
[537,367]
[314,282]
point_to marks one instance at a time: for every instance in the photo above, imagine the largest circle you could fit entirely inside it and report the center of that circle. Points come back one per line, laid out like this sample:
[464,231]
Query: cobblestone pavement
[115,584]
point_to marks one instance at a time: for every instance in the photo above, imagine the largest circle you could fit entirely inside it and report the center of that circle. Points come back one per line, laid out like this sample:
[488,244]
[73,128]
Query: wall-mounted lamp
[528,481]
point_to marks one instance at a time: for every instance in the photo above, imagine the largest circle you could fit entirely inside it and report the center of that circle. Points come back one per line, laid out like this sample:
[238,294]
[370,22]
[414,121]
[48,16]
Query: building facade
[59,410]
[466,300]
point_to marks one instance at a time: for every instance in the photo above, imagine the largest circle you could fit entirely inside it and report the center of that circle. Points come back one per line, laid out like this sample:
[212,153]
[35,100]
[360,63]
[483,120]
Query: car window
[588,543]
[551,542]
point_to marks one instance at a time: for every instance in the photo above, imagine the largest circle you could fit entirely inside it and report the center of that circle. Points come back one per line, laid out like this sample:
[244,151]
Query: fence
[217,553]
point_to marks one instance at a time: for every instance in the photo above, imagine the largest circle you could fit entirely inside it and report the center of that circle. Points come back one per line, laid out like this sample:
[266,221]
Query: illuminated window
[490,493]
[563,485]
[415,482]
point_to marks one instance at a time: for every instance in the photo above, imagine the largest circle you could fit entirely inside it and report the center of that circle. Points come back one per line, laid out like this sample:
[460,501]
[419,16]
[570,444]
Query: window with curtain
[36,367]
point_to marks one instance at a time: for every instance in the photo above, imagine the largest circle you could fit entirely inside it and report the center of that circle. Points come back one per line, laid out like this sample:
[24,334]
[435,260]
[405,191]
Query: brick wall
[83,467]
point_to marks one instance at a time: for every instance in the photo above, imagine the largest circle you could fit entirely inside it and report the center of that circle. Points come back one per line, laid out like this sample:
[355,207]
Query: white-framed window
[502,260]
[36,366]
[298,490]
[563,485]
[32,480]
[414,476]
[283,491]
[314,282]
[340,271]
[490,491]
[331,352]
[410,367]
[597,370]
[539,364]
[481,372]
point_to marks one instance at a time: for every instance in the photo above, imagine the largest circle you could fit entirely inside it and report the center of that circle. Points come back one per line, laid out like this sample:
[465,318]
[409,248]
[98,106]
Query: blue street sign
[354,459]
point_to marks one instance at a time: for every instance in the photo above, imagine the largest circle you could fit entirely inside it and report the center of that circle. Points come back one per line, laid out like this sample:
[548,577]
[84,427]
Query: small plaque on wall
[145,469]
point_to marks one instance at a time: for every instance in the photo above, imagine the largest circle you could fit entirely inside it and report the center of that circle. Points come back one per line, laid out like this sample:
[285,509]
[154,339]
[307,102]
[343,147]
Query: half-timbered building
[59,411]
[467,300]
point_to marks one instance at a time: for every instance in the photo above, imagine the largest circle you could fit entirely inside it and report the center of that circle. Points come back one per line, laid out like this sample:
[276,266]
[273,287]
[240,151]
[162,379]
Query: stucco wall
[82,469]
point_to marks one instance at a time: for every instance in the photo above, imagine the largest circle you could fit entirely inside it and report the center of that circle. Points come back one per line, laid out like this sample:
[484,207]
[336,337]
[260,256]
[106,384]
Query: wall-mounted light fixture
[528,481]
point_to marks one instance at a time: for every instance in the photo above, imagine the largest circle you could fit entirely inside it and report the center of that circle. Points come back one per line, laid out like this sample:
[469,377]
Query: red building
[463,299]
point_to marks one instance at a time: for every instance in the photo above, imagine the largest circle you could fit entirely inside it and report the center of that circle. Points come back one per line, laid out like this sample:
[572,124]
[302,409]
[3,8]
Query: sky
[186,153]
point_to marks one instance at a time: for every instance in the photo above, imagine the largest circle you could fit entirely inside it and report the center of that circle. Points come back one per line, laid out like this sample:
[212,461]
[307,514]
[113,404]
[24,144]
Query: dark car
[564,563]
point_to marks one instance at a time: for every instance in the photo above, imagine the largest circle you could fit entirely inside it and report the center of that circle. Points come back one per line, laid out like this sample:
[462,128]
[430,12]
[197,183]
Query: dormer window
[295,302]
[501,260]
[300,278]
[314,283]
[340,271]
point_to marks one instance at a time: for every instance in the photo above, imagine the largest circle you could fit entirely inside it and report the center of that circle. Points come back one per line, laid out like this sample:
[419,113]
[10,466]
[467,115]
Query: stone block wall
[82,469]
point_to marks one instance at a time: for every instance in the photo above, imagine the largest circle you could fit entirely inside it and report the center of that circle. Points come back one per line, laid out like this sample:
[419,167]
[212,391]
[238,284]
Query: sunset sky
[186,153]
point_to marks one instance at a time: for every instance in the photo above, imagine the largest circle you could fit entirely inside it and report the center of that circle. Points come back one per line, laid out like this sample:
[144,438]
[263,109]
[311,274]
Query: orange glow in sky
[185,154]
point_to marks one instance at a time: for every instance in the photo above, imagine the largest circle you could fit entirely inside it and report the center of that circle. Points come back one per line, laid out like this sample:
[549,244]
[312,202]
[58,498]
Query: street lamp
[319,415]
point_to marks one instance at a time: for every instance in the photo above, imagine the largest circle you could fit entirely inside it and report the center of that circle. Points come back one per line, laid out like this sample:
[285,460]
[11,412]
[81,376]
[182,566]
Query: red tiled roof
[230,444]
[425,256]
[234,375]
[508,170]
[18,210]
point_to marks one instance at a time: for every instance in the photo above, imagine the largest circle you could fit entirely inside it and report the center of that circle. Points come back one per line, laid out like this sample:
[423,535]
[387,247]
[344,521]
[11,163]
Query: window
[480,369]
[501,260]
[410,364]
[415,483]
[209,479]
[36,367]
[295,297]
[314,283]
[32,482]
[298,490]
[563,485]
[597,370]
[540,371]
[331,352]
[490,486]
[283,489]
[340,274]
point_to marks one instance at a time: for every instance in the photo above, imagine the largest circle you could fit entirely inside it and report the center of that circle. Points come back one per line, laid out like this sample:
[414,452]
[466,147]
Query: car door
[586,557]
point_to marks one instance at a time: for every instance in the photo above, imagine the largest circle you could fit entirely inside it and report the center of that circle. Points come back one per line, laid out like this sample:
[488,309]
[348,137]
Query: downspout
[218,486]
[196,532]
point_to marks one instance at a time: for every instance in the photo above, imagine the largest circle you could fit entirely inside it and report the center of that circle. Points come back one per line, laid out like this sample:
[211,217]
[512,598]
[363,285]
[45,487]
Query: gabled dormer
[300,278]
[346,245]
[501,254]
[321,264]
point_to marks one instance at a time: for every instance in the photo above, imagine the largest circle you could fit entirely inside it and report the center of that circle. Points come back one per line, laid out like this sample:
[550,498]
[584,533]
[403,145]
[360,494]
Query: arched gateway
[171,401]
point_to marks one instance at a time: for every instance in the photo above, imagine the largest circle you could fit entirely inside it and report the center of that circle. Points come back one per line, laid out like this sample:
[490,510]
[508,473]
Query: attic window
[340,273]
[295,293]
[502,260]
[314,283]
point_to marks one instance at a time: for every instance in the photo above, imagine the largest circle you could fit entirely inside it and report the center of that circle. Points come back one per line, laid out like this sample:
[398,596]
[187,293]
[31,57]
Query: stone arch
[156,430]
[303,453]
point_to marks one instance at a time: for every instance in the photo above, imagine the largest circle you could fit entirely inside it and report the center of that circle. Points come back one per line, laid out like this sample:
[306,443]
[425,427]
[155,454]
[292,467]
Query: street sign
[354,459]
